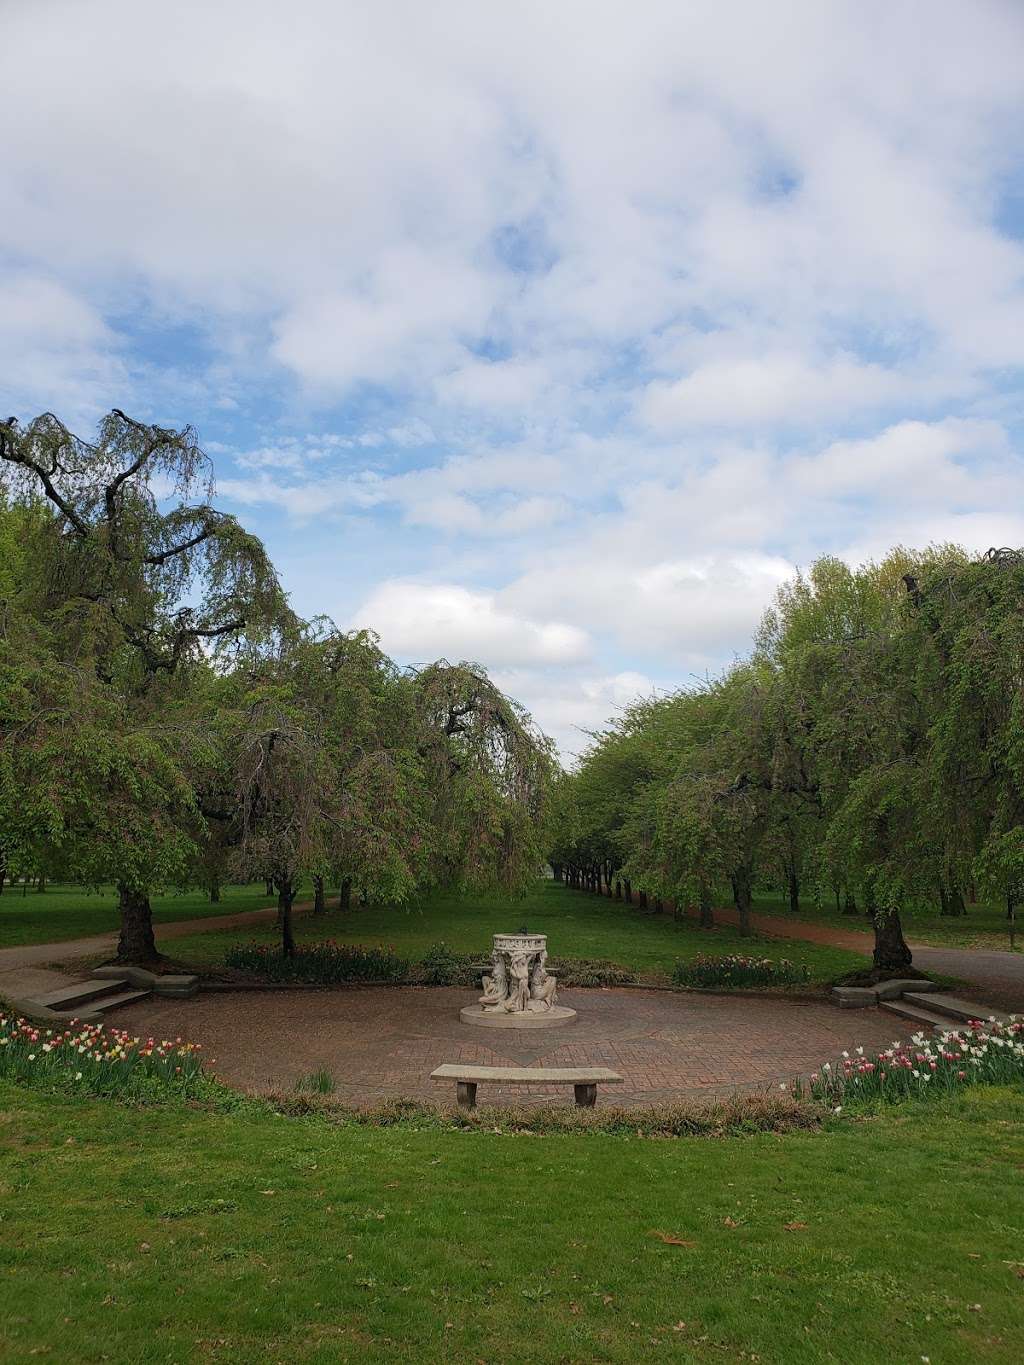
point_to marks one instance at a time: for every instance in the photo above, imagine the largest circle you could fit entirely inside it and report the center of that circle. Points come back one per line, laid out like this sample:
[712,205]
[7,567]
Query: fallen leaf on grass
[795,1227]
[730,1222]
[670,1239]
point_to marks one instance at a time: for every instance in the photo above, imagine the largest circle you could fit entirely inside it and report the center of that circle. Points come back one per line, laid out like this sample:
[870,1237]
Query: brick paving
[381,1043]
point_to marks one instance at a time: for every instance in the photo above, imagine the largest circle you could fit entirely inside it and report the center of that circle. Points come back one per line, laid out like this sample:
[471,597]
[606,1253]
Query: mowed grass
[177,1234]
[577,925]
[66,912]
[984,926]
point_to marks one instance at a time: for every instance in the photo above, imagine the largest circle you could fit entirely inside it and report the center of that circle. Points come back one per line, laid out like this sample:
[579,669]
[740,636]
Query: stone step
[922,1017]
[108,1002]
[960,1011]
[80,993]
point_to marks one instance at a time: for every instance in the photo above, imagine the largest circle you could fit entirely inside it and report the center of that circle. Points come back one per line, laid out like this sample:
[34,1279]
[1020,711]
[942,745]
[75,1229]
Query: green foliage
[322,964]
[736,971]
[166,719]
[443,966]
[872,748]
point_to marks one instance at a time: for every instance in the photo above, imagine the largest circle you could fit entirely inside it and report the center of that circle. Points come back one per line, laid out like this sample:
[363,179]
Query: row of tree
[870,752]
[167,720]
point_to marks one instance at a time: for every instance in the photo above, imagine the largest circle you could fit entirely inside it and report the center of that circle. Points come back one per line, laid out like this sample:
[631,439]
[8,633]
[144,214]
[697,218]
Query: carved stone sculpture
[519,991]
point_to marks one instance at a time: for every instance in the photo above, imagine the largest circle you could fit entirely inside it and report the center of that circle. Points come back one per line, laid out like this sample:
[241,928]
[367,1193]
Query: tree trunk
[215,892]
[707,913]
[618,890]
[891,952]
[794,891]
[136,944]
[659,906]
[627,891]
[285,896]
[41,884]
[345,895]
[642,900]
[270,887]
[318,896]
[951,900]
[3,871]
[850,904]
[556,871]
[742,897]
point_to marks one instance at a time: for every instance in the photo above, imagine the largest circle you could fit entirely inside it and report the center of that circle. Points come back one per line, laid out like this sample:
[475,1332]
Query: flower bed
[90,1057]
[320,963]
[735,970]
[982,1052]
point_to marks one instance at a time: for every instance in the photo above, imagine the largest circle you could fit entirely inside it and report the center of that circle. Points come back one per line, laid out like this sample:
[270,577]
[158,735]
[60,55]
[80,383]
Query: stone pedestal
[519,991]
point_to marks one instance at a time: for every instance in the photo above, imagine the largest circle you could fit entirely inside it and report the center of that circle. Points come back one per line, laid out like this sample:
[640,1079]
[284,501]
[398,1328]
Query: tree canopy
[869,751]
[166,718]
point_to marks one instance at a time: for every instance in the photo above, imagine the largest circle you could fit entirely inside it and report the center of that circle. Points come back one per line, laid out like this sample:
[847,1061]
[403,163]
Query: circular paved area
[381,1043]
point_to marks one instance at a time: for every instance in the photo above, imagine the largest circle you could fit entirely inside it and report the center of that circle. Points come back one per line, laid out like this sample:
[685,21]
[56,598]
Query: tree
[140,597]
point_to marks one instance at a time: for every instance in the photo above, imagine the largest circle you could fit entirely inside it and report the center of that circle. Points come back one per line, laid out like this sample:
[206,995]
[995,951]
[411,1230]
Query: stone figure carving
[543,986]
[495,984]
[519,981]
[518,990]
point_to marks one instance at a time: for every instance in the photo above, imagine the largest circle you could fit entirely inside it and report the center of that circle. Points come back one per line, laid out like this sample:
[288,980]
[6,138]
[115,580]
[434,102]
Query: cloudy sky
[549,335]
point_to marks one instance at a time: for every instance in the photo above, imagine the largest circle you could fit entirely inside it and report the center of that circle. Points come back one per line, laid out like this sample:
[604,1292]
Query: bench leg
[586,1096]
[466,1094]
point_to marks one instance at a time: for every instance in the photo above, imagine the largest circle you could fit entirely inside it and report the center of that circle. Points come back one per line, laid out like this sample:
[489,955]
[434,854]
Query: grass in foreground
[67,912]
[578,925]
[173,1233]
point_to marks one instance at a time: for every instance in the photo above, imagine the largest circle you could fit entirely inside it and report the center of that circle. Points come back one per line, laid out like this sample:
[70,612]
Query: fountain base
[556,1017]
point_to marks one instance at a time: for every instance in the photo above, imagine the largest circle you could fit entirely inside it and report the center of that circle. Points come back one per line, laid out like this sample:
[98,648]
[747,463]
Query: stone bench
[583,1079]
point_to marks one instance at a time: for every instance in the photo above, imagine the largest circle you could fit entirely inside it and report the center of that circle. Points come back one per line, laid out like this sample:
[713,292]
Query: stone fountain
[519,991]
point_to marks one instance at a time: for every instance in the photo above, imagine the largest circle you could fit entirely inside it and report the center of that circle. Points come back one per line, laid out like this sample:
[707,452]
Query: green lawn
[172,1234]
[984,925]
[577,925]
[65,912]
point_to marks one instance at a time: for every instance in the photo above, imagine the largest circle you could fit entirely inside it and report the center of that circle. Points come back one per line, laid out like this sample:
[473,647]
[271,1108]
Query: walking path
[25,971]
[998,977]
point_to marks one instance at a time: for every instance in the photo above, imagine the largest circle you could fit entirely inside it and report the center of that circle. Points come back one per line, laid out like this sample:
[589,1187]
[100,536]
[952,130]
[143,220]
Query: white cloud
[787,389]
[53,343]
[423,620]
[619,317]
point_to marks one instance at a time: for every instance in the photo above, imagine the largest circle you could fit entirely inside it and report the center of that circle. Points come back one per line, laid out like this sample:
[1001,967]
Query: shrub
[105,1061]
[581,972]
[321,964]
[734,971]
[982,1052]
[443,966]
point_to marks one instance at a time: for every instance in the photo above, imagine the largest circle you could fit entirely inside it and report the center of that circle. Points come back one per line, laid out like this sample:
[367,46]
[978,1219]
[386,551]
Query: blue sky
[553,337]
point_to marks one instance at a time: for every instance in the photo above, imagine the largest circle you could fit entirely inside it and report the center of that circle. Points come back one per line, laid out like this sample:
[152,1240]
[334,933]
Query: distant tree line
[166,719]
[869,753]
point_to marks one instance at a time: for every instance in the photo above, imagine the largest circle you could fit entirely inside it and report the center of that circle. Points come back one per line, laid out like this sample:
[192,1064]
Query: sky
[549,336]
